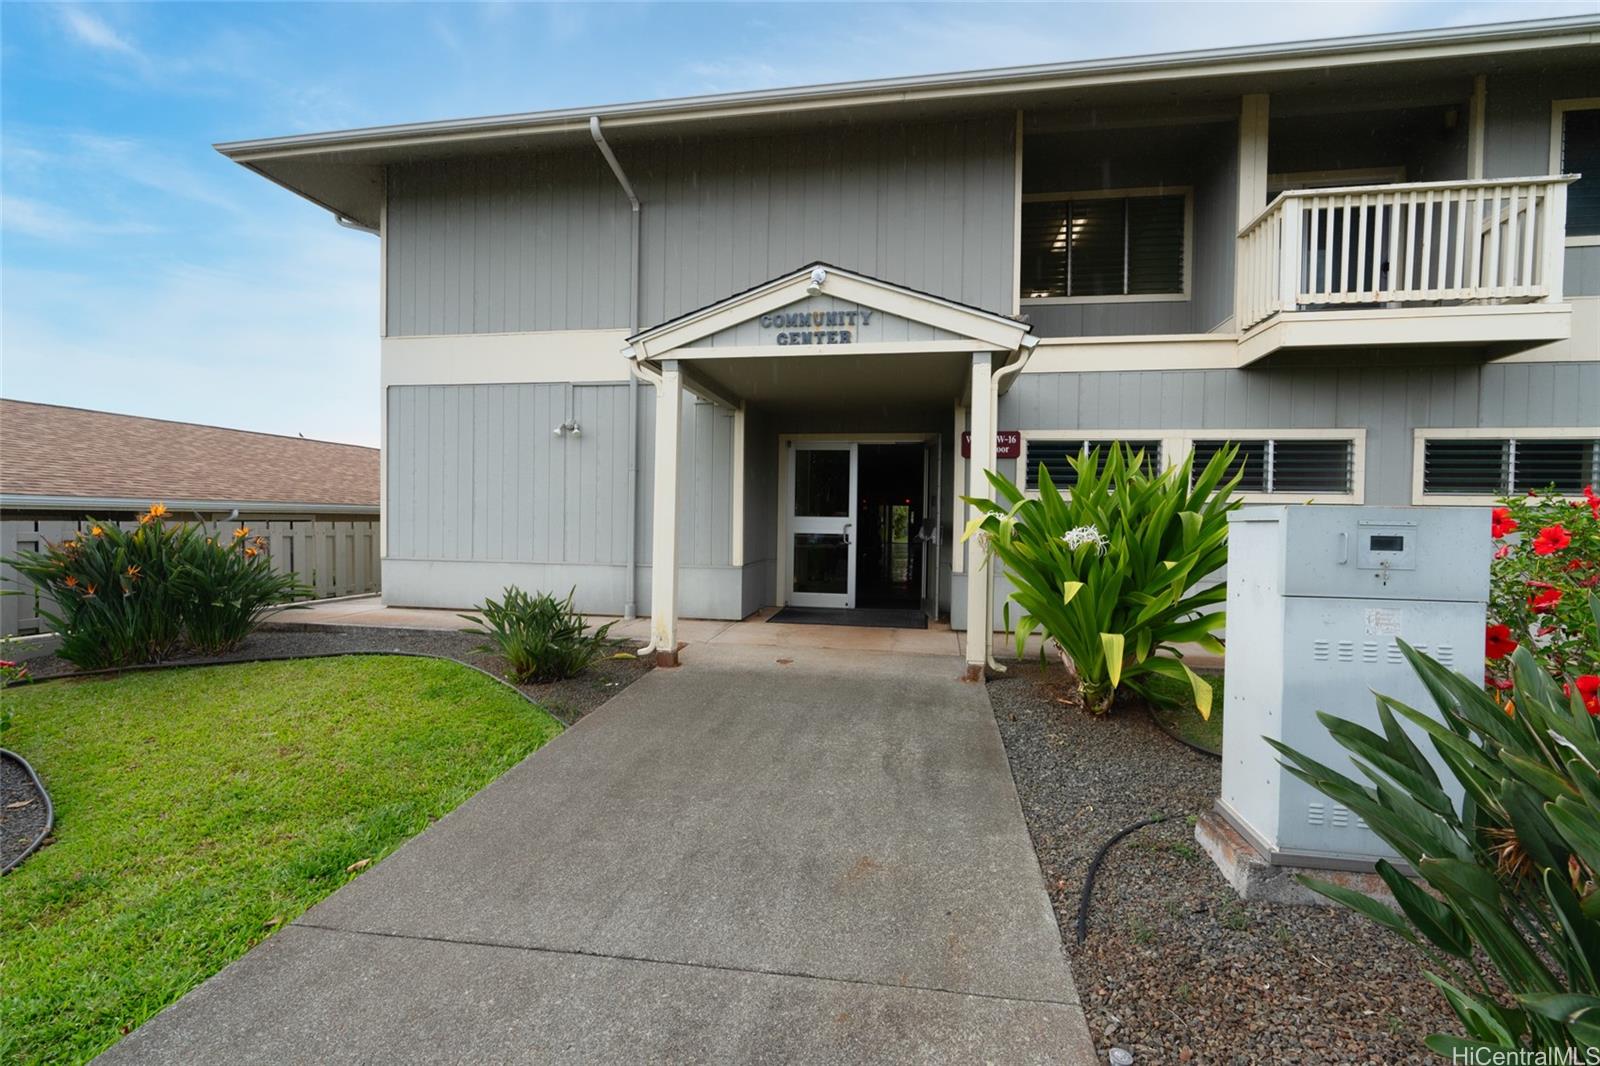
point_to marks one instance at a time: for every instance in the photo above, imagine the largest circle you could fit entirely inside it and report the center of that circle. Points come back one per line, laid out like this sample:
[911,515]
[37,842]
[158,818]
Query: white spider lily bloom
[1078,536]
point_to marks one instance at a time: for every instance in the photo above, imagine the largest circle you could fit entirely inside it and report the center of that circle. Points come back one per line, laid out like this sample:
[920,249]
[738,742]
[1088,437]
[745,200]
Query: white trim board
[505,358]
[1558,110]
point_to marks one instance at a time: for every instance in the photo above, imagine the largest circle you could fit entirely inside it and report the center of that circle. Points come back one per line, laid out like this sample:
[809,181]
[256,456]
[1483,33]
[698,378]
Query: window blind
[1499,466]
[1115,246]
[1580,154]
[1291,464]
[1053,456]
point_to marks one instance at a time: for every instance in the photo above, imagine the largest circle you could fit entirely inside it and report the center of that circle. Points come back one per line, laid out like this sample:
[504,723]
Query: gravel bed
[21,810]
[568,700]
[1176,968]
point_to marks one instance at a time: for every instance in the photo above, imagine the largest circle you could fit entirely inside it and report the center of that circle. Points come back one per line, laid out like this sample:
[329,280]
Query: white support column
[736,539]
[1254,115]
[664,521]
[980,616]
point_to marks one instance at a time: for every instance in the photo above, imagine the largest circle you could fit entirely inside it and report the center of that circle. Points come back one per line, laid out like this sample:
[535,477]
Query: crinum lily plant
[1111,574]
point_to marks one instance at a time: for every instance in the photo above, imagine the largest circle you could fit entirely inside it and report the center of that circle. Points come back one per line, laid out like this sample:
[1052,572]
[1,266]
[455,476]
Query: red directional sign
[1007,444]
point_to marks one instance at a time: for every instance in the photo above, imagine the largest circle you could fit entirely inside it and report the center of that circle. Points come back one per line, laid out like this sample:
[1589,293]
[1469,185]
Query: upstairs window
[1052,454]
[1575,149]
[1099,246]
[1507,466]
[1286,465]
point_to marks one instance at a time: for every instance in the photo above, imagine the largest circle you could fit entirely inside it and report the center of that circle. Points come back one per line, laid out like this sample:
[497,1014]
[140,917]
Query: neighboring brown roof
[47,450]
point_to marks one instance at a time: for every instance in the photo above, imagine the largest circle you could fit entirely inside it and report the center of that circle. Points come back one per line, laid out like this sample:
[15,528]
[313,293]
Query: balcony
[1444,263]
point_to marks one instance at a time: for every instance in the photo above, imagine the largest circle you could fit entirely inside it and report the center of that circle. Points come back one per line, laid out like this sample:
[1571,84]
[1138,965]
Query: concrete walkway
[792,856]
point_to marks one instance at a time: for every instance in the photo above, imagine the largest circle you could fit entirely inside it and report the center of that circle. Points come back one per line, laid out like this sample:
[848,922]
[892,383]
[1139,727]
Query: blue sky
[141,272]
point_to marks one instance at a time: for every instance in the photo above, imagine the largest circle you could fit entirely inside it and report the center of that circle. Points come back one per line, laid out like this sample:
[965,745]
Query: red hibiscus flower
[1501,683]
[1501,522]
[1551,539]
[1543,600]
[1588,692]
[1594,501]
[1497,642]
[1502,551]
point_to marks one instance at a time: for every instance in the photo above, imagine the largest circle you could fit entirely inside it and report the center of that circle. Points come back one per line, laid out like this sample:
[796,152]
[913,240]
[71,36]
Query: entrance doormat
[873,617]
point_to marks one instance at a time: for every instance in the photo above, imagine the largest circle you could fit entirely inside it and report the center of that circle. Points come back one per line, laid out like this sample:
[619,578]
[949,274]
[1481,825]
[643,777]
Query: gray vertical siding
[498,245]
[1517,142]
[924,205]
[541,241]
[705,491]
[477,473]
[1389,401]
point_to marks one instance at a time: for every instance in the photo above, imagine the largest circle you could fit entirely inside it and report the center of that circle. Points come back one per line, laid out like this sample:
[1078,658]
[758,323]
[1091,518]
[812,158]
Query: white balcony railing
[1434,242]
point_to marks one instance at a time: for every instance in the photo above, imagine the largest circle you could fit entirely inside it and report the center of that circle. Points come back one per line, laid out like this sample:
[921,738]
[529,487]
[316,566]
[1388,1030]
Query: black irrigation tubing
[1156,718]
[1094,868]
[49,812]
[114,671]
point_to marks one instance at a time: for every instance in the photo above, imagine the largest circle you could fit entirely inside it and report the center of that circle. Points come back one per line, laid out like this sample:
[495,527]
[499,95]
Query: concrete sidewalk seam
[691,965]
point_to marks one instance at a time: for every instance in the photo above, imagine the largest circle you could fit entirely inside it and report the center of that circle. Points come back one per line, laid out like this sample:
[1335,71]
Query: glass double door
[823,479]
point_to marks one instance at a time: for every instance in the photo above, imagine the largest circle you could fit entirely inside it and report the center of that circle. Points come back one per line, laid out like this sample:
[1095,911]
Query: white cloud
[43,221]
[280,337]
[91,30]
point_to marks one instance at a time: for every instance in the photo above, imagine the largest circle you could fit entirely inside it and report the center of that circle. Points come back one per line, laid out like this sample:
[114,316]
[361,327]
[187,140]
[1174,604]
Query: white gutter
[350,223]
[1000,377]
[629,604]
[1459,42]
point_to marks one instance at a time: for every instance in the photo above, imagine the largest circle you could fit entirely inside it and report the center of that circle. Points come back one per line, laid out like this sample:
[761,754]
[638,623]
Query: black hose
[1094,868]
[49,812]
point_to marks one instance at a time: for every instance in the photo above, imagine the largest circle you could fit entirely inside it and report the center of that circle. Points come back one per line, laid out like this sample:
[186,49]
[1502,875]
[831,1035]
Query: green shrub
[132,596]
[112,590]
[1513,873]
[226,588]
[1109,573]
[1547,558]
[543,638]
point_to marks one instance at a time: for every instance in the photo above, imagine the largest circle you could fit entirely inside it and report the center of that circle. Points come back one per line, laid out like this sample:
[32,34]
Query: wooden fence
[335,558]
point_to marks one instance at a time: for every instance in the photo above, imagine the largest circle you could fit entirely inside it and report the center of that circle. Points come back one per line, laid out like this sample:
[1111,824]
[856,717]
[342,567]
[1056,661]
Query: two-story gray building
[706,355]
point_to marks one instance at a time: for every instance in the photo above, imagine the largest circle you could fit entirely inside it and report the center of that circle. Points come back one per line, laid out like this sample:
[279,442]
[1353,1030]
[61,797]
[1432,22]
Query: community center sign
[815,327]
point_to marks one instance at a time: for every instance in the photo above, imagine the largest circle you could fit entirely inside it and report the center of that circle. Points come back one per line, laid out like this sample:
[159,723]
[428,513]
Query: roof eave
[1394,47]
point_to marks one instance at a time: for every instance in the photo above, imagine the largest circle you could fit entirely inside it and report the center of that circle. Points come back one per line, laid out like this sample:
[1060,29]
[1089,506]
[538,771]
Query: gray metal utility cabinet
[1317,595]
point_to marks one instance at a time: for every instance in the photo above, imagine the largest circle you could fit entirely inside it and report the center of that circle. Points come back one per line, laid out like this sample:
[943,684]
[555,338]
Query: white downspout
[1001,376]
[629,606]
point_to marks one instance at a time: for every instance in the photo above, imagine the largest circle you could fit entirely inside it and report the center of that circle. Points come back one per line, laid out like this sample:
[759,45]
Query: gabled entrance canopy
[821,342]
[822,335]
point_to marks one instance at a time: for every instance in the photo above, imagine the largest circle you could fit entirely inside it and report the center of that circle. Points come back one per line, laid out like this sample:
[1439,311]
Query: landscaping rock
[23,810]
[1176,968]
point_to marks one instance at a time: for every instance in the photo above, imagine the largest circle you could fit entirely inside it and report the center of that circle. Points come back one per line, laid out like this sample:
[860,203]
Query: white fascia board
[1486,40]
[986,330]
[1530,324]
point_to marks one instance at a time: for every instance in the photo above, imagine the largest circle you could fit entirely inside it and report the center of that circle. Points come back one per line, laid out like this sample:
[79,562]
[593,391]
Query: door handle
[847,539]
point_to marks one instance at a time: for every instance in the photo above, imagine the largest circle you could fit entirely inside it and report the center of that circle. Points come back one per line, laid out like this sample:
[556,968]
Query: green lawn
[197,811]
[1175,709]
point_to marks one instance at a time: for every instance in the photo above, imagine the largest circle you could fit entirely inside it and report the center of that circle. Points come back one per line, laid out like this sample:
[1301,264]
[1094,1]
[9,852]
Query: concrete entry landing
[783,856]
